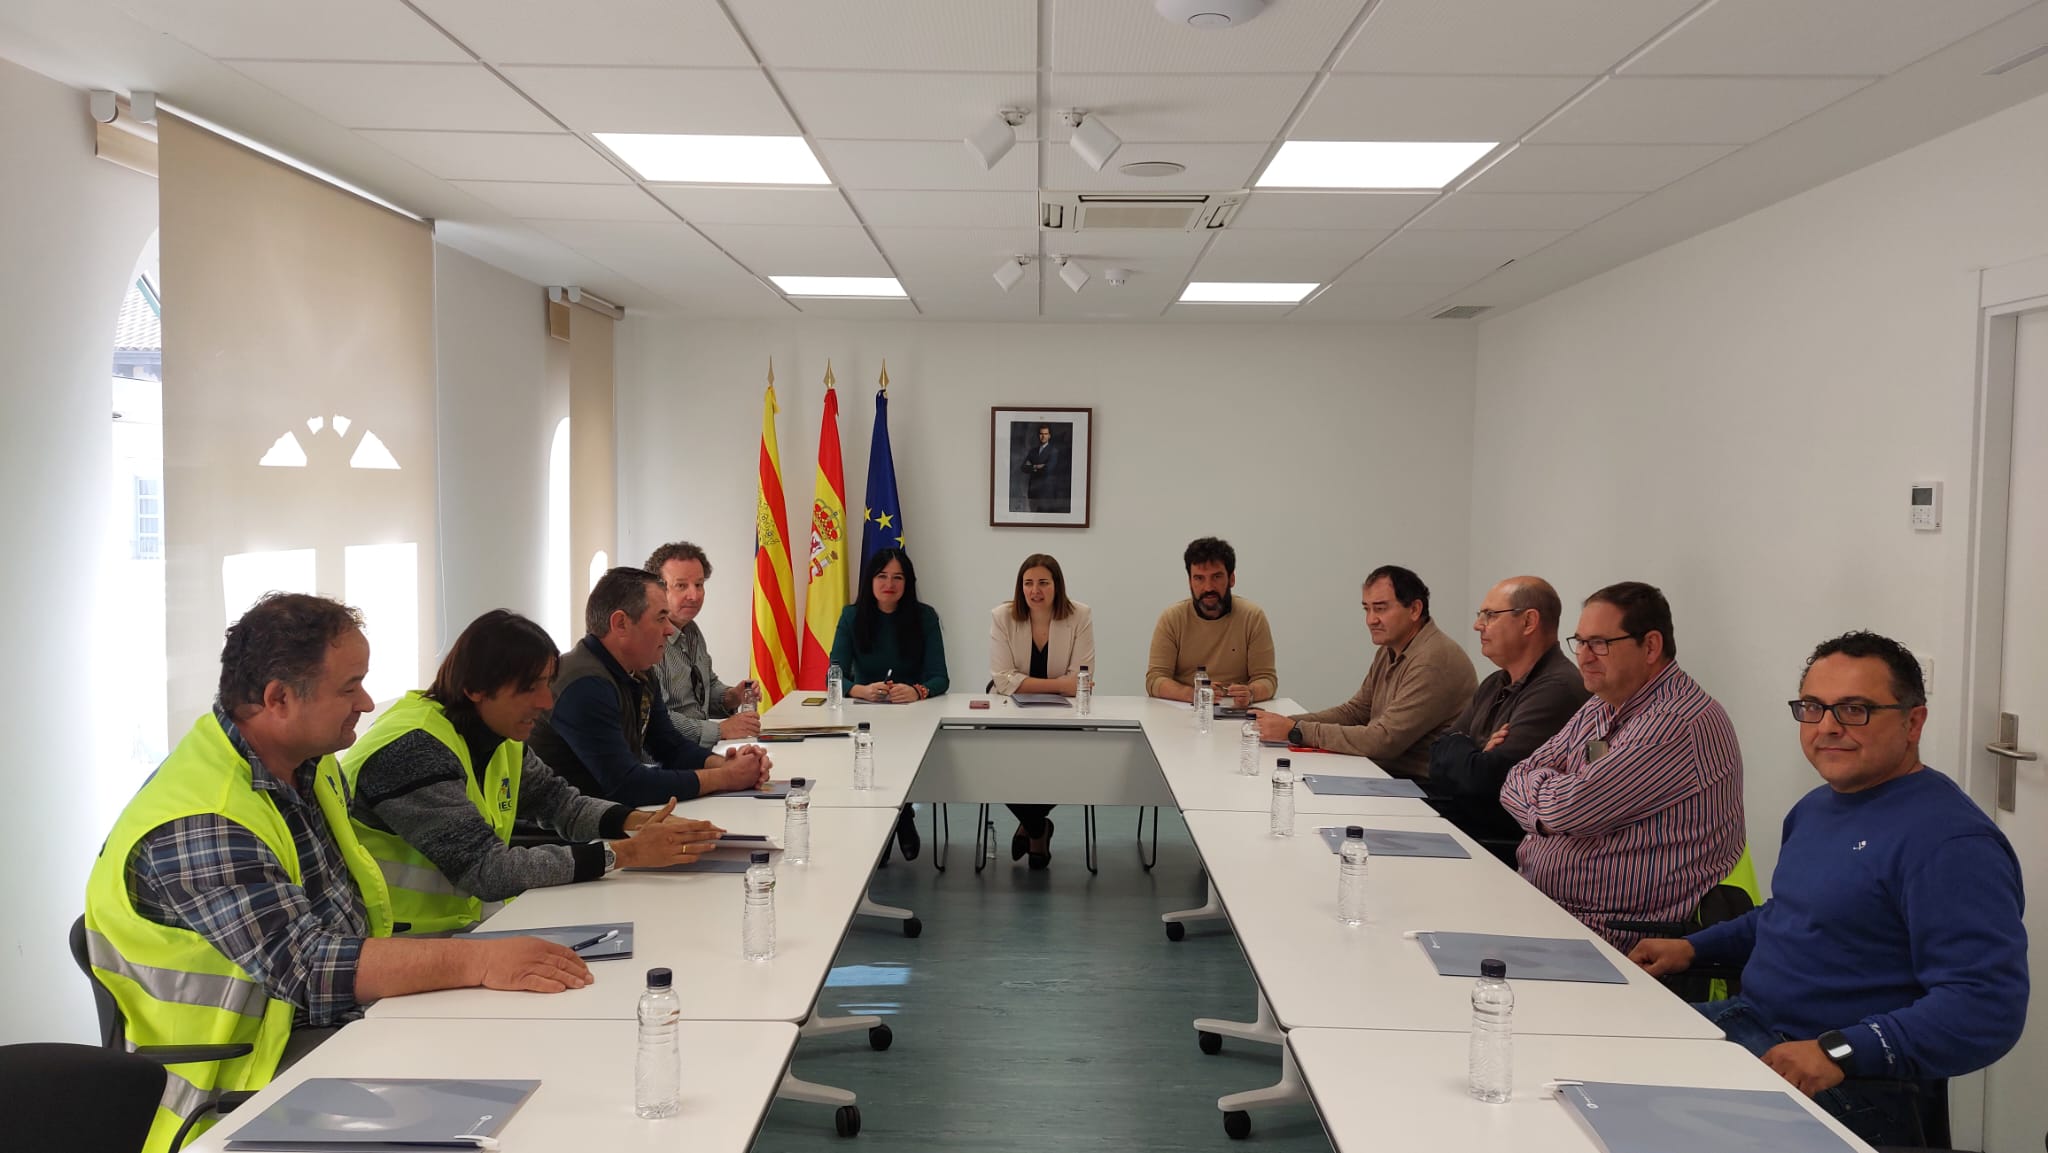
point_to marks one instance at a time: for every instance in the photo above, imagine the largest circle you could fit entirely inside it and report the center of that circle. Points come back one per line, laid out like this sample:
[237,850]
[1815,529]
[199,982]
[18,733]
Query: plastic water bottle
[1248,746]
[796,824]
[1283,799]
[1493,1041]
[757,919]
[1205,700]
[863,757]
[748,698]
[835,687]
[1352,860]
[989,834]
[1084,691]
[658,1067]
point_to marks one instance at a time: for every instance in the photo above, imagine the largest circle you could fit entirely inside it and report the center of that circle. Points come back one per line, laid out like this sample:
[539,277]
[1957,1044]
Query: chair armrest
[228,1102]
[185,1054]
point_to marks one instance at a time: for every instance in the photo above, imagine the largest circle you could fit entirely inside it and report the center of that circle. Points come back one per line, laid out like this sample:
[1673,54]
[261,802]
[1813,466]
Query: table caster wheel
[1237,1124]
[879,1038]
[846,1121]
[913,928]
[1212,1043]
[1175,930]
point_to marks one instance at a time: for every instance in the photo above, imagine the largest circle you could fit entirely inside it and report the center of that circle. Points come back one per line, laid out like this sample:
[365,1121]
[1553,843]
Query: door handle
[2007,749]
[2011,754]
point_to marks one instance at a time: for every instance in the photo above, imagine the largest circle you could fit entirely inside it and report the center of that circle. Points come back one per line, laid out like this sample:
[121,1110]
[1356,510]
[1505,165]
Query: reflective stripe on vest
[421,896]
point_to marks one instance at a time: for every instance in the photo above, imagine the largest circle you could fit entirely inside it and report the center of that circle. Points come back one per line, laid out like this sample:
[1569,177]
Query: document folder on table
[1528,958]
[1040,701]
[1681,1119]
[348,1113]
[614,949]
[709,863]
[1399,843]
[1328,786]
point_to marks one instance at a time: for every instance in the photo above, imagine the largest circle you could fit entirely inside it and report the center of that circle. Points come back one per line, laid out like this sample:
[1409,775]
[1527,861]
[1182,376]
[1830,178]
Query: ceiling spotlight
[1209,14]
[1072,272]
[993,140]
[1010,271]
[1092,141]
[1115,277]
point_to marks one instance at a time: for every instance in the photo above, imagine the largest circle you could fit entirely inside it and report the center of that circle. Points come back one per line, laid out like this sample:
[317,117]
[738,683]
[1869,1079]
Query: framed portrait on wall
[1039,466]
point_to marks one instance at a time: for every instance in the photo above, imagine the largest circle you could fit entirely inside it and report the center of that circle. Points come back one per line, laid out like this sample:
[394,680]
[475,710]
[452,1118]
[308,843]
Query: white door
[2015,1108]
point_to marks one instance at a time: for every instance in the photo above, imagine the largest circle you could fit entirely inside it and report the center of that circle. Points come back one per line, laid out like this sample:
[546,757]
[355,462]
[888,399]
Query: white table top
[1281,895]
[585,1099]
[690,922]
[1381,1091]
[826,763]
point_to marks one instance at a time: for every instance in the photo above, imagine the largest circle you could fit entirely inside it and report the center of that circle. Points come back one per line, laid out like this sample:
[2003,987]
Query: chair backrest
[113,1030]
[78,1098]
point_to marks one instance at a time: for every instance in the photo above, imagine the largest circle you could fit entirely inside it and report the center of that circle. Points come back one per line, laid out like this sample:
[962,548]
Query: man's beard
[1222,610]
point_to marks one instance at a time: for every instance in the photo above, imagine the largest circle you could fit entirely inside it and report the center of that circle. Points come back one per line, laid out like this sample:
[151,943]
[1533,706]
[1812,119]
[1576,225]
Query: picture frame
[1041,466]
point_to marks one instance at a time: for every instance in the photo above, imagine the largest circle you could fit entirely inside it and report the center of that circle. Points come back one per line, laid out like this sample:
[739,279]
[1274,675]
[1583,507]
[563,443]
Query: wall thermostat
[1926,506]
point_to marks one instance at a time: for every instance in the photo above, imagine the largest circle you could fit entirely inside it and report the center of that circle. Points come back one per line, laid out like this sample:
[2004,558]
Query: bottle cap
[796,782]
[1353,833]
[1084,668]
[760,856]
[1283,763]
[1494,969]
[863,726]
[659,978]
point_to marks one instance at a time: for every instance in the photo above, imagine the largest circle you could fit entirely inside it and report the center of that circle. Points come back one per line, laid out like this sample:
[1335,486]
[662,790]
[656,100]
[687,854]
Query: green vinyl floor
[1040,1012]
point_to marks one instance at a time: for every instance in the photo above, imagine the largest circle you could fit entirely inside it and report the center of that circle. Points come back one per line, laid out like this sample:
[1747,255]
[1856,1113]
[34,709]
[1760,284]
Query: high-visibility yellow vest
[172,985]
[422,898]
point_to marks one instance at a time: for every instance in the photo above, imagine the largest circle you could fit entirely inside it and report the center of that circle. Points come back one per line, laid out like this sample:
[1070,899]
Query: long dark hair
[1062,608]
[499,650]
[908,619]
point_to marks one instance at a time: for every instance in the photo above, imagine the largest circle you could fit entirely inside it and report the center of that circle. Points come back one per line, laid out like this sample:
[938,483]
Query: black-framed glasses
[1848,713]
[1598,645]
[1485,617]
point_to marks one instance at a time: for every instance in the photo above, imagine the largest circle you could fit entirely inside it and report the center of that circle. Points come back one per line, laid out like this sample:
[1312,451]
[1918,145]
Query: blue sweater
[1894,917]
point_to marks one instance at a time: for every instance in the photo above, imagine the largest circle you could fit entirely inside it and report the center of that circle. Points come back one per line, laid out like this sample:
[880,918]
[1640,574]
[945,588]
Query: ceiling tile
[1279,255]
[1152,287]
[924,164]
[1566,210]
[1506,37]
[644,250]
[724,293]
[845,309]
[774,250]
[1211,313]
[306,30]
[1210,168]
[711,101]
[531,156]
[914,35]
[905,105]
[1418,257]
[1816,37]
[818,207]
[975,298]
[1095,36]
[1595,167]
[445,97]
[1370,210]
[1126,245]
[682,33]
[1169,108]
[1692,110]
[1494,108]
[958,252]
[1369,302]
[535,201]
[523,251]
[943,210]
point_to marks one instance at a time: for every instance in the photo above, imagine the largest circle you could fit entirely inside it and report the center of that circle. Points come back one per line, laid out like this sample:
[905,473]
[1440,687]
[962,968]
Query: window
[148,541]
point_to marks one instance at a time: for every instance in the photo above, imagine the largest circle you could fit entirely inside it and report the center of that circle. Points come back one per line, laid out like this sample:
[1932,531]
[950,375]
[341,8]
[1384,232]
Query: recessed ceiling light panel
[667,158]
[858,287]
[1245,292]
[1382,164]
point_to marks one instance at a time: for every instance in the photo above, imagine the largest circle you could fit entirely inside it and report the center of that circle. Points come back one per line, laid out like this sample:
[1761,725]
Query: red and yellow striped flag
[825,596]
[774,648]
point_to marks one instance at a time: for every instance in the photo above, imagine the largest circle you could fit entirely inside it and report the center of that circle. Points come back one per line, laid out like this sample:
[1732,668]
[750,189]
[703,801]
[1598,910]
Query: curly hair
[283,637]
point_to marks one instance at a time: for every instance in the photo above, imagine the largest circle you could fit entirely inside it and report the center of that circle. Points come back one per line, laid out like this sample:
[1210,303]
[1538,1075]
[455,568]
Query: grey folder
[705,864]
[617,947]
[1528,958]
[1399,843]
[1680,1119]
[1327,786]
[1040,701]
[348,1113]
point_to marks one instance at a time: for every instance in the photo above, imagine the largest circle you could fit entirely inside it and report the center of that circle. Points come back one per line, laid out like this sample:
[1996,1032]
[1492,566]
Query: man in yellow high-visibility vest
[225,906]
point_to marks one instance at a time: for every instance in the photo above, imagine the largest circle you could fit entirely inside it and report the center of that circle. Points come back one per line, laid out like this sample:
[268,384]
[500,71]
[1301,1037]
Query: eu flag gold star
[883,522]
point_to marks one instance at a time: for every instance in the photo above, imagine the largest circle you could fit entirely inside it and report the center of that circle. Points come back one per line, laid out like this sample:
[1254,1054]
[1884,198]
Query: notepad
[1399,843]
[1328,786]
[612,950]
[1040,701]
[1684,1119]
[711,864]
[349,1113]
[1527,958]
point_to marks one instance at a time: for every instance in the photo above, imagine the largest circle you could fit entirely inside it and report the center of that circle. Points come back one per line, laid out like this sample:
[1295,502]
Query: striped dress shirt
[1632,813]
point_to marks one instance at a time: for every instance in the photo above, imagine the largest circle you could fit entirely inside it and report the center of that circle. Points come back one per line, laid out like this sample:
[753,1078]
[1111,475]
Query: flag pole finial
[885,374]
[829,382]
[771,372]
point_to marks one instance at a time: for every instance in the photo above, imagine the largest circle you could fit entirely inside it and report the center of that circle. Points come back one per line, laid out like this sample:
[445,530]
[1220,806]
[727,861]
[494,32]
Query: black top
[1038,658]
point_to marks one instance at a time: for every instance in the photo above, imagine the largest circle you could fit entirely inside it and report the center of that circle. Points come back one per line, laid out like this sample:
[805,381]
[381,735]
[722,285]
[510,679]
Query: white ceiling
[1624,125]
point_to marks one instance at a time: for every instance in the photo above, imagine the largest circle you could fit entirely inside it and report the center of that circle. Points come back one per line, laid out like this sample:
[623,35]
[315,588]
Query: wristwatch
[611,859]
[1294,736]
[1835,1046]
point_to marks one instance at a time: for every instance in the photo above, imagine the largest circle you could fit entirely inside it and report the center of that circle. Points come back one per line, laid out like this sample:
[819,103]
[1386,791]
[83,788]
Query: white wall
[1319,452]
[497,413]
[69,237]
[1737,418]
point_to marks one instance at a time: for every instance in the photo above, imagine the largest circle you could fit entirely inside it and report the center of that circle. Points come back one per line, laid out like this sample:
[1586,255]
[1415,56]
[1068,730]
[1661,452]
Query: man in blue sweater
[1892,947]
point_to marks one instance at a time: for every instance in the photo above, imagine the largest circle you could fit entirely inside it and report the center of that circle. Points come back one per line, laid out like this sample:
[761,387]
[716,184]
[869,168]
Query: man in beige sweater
[1212,629]
[1418,684]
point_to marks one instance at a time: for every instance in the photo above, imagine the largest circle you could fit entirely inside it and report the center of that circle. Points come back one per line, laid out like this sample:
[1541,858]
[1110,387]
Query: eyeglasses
[1849,713]
[1484,617]
[1598,645]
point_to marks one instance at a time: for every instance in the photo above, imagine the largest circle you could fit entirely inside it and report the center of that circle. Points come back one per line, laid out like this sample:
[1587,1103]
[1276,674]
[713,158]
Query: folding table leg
[1210,910]
[1288,1090]
[1265,1029]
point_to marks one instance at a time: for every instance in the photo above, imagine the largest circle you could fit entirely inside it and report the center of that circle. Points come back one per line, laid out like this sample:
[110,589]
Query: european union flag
[883,526]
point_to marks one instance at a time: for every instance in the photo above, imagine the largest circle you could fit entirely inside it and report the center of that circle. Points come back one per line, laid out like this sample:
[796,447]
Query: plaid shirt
[218,879]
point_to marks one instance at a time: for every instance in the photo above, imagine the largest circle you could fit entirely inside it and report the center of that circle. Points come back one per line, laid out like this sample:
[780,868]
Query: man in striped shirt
[1634,809]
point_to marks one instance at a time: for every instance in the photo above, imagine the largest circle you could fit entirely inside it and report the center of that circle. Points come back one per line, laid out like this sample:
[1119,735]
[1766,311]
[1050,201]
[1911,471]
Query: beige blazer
[1070,645]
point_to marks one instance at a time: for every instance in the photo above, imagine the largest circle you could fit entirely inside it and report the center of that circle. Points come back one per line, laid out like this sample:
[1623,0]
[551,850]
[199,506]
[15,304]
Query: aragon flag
[825,596]
[774,642]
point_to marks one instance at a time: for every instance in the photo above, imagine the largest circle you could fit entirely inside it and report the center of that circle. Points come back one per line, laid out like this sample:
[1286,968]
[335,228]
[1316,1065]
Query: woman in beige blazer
[1037,641]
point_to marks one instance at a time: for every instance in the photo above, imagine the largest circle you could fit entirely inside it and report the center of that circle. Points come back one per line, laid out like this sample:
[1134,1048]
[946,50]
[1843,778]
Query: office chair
[81,1097]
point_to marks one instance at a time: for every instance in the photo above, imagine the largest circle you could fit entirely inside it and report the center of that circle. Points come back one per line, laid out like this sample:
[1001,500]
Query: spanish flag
[825,596]
[774,658]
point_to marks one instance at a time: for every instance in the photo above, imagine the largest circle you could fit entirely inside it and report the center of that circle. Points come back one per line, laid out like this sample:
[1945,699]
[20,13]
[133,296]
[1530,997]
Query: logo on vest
[1858,846]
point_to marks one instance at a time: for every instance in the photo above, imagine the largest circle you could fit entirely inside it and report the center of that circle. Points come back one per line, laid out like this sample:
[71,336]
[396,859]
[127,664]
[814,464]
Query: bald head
[1517,622]
[1526,593]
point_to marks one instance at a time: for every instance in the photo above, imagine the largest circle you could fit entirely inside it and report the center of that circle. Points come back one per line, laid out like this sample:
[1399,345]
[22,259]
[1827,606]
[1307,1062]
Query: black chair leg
[944,839]
[1088,837]
[1155,838]
[984,838]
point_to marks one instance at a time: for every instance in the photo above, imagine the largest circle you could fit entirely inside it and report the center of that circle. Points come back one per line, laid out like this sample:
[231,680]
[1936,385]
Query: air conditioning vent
[1462,311]
[1161,212]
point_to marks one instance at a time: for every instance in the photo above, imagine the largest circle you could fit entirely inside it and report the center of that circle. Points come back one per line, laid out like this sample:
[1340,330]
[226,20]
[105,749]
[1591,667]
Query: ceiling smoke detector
[1115,276]
[1210,14]
[1152,169]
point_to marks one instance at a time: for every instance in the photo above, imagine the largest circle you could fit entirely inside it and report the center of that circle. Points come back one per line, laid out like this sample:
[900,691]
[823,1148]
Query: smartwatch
[611,859]
[1294,737]
[1835,1046]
